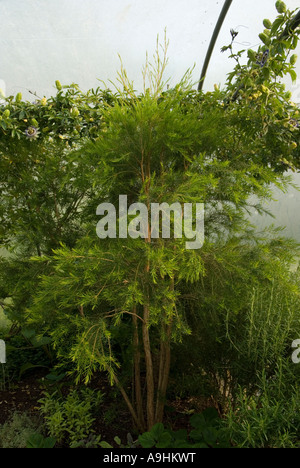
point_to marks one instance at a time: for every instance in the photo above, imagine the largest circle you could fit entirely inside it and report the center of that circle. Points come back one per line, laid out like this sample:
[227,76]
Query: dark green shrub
[270,418]
[244,320]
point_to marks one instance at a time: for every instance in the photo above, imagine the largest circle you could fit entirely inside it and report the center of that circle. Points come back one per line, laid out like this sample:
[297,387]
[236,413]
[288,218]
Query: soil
[22,397]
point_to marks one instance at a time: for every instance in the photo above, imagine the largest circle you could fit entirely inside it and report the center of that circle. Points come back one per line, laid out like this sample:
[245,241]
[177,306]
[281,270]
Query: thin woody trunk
[129,405]
[164,371]
[164,367]
[145,328]
[137,371]
[149,369]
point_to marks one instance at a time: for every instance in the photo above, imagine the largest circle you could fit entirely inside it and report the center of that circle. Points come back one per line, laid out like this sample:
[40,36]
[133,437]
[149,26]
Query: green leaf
[29,366]
[165,441]
[210,435]
[276,25]
[210,415]
[252,55]
[197,435]
[34,441]
[180,435]
[104,444]
[49,442]
[41,341]
[293,75]
[55,378]
[38,441]
[28,333]
[266,73]
[181,444]
[146,440]
[198,421]
[157,430]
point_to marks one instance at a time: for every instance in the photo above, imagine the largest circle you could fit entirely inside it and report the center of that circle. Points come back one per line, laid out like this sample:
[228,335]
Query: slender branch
[164,372]
[109,315]
[128,403]
[137,370]
[149,369]
[146,324]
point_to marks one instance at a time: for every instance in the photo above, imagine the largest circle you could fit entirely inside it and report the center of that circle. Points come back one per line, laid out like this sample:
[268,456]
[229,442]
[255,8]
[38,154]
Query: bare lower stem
[129,405]
[149,369]
[164,371]
[137,371]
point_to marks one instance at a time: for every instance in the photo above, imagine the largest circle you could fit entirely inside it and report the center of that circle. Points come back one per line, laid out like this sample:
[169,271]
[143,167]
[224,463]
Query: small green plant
[92,441]
[130,442]
[55,382]
[70,419]
[18,430]
[207,433]
[38,441]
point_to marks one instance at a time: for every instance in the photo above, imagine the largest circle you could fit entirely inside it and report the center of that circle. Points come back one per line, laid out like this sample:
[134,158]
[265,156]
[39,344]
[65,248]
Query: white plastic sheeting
[79,41]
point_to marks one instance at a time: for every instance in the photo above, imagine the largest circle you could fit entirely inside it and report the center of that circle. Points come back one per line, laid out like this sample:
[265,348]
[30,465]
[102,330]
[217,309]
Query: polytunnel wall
[79,41]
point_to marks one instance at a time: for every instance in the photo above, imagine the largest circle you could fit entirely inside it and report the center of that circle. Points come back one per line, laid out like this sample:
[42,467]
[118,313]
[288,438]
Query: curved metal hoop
[290,28]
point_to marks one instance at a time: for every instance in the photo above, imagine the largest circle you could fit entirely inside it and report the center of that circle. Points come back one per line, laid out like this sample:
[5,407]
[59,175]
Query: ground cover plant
[153,316]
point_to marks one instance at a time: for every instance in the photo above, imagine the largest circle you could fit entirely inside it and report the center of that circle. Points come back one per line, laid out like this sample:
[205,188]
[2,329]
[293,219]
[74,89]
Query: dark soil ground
[113,418]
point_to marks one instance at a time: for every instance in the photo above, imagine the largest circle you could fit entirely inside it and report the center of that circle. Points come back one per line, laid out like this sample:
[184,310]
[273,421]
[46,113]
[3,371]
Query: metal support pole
[213,41]
[295,22]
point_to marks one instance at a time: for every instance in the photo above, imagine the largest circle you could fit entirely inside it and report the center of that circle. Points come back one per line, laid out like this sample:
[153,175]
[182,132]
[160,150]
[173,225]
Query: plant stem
[149,369]
[164,372]
[128,403]
[137,371]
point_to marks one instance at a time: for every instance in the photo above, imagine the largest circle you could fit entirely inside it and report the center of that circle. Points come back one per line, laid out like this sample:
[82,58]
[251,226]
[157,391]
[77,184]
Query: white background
[79,40]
